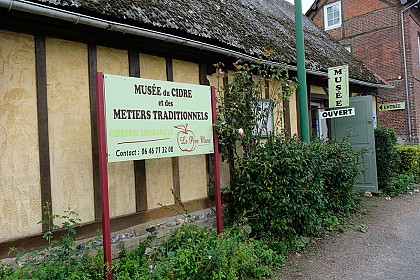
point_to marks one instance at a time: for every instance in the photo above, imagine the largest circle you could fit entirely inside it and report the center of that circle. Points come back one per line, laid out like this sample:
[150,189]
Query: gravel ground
[388,250]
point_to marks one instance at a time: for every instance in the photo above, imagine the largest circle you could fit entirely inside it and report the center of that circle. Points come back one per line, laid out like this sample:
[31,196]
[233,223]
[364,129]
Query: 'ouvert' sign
[151,119]
[345,112]
[338,86]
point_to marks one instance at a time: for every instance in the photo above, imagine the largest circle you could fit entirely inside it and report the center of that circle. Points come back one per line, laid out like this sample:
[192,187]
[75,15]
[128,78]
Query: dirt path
[389,249]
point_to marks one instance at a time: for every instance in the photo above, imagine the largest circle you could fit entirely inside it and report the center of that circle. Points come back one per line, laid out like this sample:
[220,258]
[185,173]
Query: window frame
[418,48]
[321,128]
[333,26]
[260,130]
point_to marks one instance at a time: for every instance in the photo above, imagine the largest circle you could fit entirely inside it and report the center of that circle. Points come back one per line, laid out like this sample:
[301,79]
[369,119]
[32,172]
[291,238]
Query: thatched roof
[248,26]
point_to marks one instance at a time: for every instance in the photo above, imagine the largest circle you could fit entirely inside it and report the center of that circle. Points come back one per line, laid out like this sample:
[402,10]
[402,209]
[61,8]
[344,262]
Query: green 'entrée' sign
[154,119]
[391,106]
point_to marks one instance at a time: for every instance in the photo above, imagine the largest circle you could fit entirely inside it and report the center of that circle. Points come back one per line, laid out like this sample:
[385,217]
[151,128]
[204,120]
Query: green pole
[301,72]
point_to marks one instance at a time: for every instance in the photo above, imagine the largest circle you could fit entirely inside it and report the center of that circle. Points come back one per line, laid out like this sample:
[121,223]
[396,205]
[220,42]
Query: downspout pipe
[77,18]
[410,134]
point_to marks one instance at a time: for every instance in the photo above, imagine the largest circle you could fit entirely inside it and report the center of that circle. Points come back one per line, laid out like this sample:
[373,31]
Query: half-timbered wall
[48,137]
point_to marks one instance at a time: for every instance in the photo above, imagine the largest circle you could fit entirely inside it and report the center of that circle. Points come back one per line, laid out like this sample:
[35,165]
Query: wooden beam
[287,122]
[139,165]
[203,68]
[92,61]
[43,137]
[175,162]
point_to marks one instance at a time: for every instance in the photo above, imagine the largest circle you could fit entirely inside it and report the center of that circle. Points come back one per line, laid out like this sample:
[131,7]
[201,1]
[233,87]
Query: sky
[305,4]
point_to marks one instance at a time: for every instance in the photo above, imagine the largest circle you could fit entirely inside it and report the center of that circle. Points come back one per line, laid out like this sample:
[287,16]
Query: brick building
[372,31]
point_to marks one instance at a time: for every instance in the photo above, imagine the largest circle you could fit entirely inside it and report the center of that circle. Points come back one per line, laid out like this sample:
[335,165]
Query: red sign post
[216,164]
[103,171]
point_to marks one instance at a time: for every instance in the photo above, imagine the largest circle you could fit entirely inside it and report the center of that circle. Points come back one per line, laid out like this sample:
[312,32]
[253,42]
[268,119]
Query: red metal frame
[103,167]
[216,164]
[103,171]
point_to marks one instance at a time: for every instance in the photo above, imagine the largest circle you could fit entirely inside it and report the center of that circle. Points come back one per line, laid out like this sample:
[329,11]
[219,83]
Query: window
[263,112]
[332,15]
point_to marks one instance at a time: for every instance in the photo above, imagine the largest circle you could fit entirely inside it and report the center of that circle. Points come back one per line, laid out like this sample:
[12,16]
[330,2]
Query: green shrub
[409,160]
[5,272]
[131,265]
[398,165]
[399,184]
[339,166]
[333,223]
[274,190]
[287,188]
[386,154]
[192,252]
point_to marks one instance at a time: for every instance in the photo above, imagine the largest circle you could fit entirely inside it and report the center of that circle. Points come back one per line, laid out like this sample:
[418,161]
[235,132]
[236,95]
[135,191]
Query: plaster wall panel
[192,169]
[152,67]
[317,89]
[217,81]
[224,173]
[20,199]
[122,199]
[278,117]
[374,101]
[293,114]
[159,173]
[231,76]
[69,128]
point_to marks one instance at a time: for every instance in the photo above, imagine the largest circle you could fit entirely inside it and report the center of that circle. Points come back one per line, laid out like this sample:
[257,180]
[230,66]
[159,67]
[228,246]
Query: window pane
[330,11]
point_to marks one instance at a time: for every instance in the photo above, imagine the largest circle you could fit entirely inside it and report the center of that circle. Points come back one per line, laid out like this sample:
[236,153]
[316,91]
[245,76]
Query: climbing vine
[250,107]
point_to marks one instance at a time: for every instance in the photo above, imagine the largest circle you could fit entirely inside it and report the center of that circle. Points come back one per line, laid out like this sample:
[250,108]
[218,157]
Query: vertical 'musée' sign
[338,86]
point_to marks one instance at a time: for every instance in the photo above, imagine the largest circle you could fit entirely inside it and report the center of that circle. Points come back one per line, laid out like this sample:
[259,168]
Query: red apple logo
[185,138]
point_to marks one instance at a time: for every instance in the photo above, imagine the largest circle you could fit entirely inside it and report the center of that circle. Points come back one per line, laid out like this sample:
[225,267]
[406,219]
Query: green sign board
[391,106]
[338,86]
[154,119]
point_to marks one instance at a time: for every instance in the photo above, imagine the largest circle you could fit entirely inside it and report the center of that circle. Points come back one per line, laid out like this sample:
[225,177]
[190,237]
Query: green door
[361,130]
